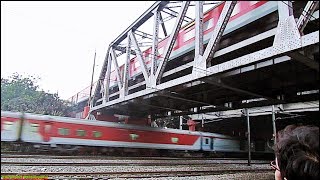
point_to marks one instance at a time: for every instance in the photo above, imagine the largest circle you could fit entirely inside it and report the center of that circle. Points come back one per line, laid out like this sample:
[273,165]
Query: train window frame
[189,35]
[96,134]
[34,127]
[63,131]
[7,125]
[81,132]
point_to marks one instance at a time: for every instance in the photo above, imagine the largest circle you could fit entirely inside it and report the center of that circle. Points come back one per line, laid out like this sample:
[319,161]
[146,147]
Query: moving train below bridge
[72,135]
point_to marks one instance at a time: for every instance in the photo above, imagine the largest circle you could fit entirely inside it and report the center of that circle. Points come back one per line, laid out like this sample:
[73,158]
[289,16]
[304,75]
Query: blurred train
[70,134]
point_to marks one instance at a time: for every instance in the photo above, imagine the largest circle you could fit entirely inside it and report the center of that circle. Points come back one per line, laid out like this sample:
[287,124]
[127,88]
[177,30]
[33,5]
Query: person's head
[297,153]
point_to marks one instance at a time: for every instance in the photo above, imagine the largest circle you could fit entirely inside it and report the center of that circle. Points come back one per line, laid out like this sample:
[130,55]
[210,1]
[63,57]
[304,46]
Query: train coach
[57,132]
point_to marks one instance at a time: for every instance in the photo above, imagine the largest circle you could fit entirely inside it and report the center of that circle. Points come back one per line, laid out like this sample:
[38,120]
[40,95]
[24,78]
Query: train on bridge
[244,13]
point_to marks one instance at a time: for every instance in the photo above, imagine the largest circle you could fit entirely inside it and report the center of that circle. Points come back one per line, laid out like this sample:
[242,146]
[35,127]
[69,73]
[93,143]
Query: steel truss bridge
[270,60]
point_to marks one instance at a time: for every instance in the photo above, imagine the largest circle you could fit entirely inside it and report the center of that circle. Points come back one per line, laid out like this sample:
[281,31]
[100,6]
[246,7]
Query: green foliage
[21,94]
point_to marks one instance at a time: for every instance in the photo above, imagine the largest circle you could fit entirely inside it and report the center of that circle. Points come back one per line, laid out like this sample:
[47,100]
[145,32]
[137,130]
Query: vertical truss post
[171,40]
[199,64]
[124,90]
[218,30]
[306,15]
[143,66]
[287,36]
[154,52]
[117,69]
[107,85]
[199,29]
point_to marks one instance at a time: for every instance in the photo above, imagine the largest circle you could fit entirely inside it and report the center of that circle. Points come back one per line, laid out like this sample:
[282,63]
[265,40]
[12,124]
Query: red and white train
[56,132]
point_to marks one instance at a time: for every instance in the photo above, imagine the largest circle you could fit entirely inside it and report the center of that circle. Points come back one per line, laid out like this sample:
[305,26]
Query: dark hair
[297,152]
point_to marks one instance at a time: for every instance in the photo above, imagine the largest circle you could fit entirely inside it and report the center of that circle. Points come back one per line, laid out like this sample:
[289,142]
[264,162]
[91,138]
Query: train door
[206,144]
[47,131]
[212,144]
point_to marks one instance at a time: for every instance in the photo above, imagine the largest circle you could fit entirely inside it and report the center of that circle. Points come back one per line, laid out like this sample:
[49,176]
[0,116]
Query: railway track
[136,174]
[84,167]
[122,163]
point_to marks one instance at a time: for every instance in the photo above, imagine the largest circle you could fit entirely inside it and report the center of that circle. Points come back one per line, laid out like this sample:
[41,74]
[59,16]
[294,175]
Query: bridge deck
[263,57]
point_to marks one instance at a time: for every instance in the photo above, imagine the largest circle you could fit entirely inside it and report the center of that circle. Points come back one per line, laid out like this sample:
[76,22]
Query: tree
[21,94]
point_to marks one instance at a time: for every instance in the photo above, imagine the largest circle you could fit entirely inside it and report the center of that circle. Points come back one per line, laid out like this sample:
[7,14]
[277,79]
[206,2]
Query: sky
[56,40]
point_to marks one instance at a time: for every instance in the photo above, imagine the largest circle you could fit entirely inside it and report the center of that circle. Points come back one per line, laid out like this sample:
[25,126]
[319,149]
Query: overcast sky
[56,40]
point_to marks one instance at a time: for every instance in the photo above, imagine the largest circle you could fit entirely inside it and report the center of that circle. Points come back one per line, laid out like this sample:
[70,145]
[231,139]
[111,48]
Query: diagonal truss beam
[171,40]
[176,13]
[99,86]
[124,90]
[306,14]
[117,69]
[108,78]
[173,15]
[143,66]
[219,29]
[163,26]
[141,20]
[123,50]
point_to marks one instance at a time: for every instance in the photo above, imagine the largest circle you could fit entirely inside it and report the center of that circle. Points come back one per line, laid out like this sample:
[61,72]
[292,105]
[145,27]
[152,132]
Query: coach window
[63,131]
[7,125]
[97,134]
[81,132]
[160,51]
[189,35]
[34,127]
[207,141]
[208,24]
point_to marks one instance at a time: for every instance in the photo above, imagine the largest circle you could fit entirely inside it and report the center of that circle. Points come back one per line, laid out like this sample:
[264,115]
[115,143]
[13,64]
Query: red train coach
[55,131]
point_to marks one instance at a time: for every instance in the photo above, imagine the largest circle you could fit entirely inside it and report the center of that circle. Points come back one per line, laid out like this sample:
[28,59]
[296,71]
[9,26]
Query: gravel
[131,168]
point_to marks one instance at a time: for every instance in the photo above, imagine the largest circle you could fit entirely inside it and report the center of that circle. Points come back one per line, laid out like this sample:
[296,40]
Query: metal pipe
[181,121]
[91,85]
[274,125]
[249,141]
